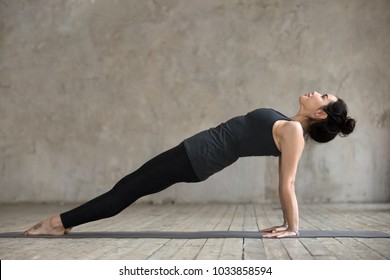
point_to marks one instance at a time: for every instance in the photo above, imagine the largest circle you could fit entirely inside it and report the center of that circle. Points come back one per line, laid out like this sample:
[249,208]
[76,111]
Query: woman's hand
[274,229]
[279,231]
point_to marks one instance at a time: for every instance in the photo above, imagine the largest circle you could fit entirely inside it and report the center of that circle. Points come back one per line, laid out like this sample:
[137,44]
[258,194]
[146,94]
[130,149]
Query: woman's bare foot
[50,226]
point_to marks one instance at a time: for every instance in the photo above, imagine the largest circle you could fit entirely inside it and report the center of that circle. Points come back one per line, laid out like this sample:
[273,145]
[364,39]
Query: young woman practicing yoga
[262,132]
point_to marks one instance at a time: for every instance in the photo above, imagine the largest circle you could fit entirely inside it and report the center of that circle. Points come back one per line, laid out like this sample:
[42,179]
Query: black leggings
[166,169]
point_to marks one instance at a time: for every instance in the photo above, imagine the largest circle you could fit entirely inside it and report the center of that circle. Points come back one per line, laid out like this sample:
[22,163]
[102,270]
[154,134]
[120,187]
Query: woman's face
[313,101]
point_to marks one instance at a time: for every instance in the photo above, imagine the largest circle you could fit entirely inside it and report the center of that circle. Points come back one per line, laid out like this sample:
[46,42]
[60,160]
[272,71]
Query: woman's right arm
[291,146]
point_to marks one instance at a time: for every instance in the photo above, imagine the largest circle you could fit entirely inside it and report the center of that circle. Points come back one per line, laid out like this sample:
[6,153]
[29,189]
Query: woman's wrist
[293,230]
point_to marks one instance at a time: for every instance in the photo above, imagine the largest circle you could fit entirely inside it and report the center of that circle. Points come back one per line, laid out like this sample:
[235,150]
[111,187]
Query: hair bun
[337,123]
[348,126]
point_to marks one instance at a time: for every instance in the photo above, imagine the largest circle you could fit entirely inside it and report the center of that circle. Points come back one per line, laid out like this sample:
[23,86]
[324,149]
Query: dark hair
[337,123]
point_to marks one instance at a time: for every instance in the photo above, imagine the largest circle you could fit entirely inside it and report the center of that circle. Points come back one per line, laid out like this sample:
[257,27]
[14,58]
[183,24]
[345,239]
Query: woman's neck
[304,120]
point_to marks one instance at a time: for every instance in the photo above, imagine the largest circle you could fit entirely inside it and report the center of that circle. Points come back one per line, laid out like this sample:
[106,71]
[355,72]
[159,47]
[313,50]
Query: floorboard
[203,217]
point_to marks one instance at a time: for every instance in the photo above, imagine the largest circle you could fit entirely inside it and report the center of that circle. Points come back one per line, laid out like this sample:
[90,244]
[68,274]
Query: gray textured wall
[89,90]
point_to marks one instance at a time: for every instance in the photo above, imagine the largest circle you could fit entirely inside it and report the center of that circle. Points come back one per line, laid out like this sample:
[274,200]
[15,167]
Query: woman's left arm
[291,145]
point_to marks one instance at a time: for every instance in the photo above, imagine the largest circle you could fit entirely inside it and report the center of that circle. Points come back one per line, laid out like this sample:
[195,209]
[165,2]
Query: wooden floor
[203,217]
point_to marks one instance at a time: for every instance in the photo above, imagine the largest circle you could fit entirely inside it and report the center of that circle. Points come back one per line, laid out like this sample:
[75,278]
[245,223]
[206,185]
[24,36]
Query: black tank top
[251,135]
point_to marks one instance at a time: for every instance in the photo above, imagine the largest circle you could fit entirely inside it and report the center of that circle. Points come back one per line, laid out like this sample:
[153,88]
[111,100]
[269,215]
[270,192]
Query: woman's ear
[320,114]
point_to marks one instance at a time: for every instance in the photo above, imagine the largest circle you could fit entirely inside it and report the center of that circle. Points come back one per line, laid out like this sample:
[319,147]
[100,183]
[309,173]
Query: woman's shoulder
[288,134]
[291,127]
[289,130]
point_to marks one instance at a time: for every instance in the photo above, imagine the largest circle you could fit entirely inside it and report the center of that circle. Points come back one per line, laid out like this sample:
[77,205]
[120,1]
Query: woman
[263,132]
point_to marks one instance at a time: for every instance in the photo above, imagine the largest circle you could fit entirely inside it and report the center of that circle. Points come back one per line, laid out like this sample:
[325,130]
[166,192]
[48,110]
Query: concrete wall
[89,90]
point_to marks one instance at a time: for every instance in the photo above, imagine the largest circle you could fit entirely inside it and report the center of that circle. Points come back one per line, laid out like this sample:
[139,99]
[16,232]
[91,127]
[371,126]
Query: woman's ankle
[56,222]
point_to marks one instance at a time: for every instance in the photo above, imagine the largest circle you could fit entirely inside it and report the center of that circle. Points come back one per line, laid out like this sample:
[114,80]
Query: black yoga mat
[201,234]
